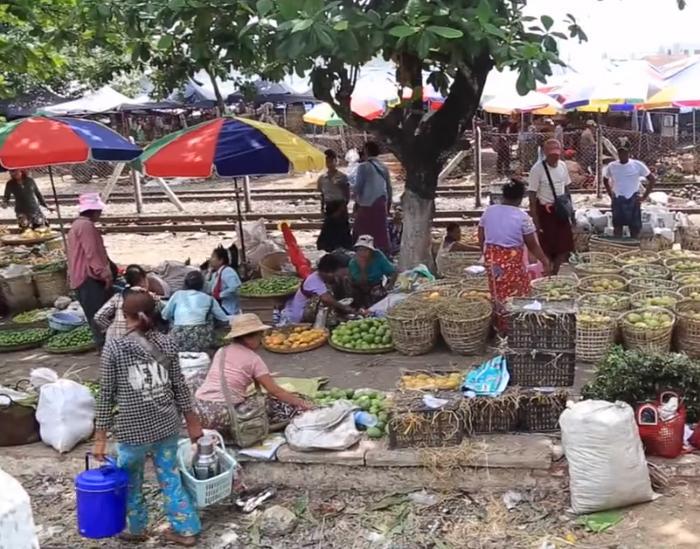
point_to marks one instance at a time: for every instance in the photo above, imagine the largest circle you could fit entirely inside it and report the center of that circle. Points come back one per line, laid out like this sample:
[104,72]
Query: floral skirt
[507,278]
[193,339]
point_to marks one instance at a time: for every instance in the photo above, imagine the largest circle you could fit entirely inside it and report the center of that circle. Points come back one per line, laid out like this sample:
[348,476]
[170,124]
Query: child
[224,282]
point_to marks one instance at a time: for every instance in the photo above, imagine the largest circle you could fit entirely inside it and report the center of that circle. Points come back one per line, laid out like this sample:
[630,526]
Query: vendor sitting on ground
[315,291]
[453,240]
[241,367]
[372,275]
[110,318]
[28,200]
[224,283]
[192,314]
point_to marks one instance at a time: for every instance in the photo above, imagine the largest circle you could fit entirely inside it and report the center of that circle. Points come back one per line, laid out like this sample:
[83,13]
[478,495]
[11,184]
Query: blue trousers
[179,508]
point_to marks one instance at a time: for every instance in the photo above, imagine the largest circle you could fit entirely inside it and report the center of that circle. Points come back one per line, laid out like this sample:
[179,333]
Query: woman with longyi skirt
[504,232]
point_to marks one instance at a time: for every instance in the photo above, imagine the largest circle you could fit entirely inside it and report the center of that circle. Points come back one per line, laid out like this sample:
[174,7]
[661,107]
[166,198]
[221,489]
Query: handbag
[563,208]
[249,423]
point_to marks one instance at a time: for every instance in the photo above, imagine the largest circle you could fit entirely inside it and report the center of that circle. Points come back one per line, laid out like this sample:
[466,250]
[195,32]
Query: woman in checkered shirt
[140,374]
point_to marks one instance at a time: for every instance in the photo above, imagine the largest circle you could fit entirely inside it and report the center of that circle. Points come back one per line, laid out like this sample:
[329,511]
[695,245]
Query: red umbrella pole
[58,210]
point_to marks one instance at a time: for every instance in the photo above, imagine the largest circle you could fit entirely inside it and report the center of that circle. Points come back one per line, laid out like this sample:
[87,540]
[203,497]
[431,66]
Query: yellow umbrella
[323,115]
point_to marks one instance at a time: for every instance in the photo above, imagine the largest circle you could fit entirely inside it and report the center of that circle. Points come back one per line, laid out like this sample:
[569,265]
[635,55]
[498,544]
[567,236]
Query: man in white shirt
[554,232]
[622,180]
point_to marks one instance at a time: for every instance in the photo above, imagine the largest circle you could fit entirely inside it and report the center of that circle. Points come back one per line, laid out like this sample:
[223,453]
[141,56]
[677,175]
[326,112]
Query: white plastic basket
[212,490]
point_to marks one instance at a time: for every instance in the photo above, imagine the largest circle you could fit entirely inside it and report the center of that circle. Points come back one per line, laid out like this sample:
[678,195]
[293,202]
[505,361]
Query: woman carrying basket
[504,233]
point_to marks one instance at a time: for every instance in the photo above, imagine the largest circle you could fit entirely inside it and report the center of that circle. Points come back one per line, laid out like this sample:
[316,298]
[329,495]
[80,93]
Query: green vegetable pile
[20,338]
[270,287]
[94,387]
[80,337]
[369,401]
[36,315]
[634,376]
[365,335]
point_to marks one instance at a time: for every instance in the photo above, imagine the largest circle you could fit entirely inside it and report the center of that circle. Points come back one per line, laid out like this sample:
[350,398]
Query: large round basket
[637,257]
[452,264]
[612,245]
[271,264]
[640,284]
[675,254]
[593,263]
[545,283]
[683,265]
[655,243]
[655,298]
[18,240]
[79,349]
[686,279]
[602,284]
[50,285]
[595,334]
[688,327]
[692,291]
[690,238]
[474,283]
[414,329]
[612,302]
[378,351]
[465,324]
[18,292]
[645,338]
[286,330]
[650,270]
[582,241]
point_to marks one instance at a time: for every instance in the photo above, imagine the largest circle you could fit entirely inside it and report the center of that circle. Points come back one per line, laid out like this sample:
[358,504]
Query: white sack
[257,243]
[66,414]
[192,364]
[17,529]
[331,428]
[607,467]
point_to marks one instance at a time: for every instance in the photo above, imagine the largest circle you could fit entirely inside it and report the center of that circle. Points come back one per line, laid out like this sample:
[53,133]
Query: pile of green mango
[369,401]
[78,338]
[20,338]
[269,287]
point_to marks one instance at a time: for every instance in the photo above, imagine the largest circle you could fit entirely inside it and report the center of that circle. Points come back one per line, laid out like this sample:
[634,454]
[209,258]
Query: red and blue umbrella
[229,147]
[41,141]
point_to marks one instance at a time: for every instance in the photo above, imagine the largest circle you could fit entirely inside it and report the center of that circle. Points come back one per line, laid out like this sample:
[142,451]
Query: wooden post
[599,161]
[246,194]
[477,166]
[138,196]
[112,182]
[170,193]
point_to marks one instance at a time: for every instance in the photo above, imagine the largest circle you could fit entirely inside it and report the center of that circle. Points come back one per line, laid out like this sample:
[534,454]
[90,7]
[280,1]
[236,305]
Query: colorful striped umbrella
[323,115]
[41,141]
[229,147]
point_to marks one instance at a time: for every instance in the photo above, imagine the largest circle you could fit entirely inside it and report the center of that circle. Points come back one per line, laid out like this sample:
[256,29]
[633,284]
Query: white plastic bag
[17,530]
[330,428]
[66,412]
[192,364]
[257,243]
[607,467]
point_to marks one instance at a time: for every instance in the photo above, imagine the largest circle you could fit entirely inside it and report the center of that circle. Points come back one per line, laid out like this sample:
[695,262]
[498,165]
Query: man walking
[587,147]
[88,265]
[622,181]
[548,180]
[334,187]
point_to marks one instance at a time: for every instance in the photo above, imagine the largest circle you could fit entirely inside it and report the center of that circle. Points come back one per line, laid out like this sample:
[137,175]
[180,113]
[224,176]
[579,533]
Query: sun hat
[246,323]
[365,241]
[90,201]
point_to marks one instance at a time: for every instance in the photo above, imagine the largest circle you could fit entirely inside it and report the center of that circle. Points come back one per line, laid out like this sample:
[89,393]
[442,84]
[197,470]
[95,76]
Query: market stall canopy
[323,115]
[151,106]
[103,100]
[229,147]
[28,103]
[274,92]
[680,90]
[42,141]
[199,89]
[533,102]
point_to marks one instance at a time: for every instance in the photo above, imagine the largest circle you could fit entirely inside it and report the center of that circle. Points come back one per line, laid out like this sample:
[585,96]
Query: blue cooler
[101,500]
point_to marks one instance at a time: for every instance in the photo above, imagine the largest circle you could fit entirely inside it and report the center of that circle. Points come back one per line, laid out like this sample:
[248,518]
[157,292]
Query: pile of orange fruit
[297,338]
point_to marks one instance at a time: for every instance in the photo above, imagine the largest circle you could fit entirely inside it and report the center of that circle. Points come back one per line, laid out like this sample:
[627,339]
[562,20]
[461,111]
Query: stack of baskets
[414,325]
[688,327]
[51,282]
[596,330]
[415,425]
[453,264]
[465,323]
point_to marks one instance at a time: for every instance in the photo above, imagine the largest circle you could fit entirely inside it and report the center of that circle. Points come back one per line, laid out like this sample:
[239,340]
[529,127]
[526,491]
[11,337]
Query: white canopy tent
[103,100]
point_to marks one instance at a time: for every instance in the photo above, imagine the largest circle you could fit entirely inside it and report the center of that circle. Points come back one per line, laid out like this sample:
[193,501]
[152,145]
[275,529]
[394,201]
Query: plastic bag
[17,528]
[330,428]
[381,307]
[66,411]
[257,243]
[607,467]
[489,379]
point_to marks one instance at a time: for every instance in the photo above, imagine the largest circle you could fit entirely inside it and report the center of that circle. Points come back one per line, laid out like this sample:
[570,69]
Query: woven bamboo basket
[271,265]
[683,265]
[50,286]
[595,334]
[612,302]
[611,246]
[544,283]
[474,283]
[582,241]
[465,324]
[414,329]
[600,284]
[18,293]
[655,243]
[674,254]
[640,284]
[692,291]
[645,338]
[452,265]
[688,327]
[637,257]
[640,300]
[594,263]
[651,270]
[686,279]
[690,238]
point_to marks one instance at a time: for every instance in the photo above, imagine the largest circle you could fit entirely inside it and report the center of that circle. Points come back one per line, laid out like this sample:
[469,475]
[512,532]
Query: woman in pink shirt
[504,232]
[242,367]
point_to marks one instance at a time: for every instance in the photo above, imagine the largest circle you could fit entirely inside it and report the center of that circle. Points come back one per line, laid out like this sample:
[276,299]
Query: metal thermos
[205,462]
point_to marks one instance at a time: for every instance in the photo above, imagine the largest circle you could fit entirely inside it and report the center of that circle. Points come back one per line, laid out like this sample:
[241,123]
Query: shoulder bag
[248,420]
[563,207]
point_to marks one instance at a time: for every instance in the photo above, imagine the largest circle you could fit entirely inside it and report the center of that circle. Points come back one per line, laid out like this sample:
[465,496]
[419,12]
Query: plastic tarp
[103,100]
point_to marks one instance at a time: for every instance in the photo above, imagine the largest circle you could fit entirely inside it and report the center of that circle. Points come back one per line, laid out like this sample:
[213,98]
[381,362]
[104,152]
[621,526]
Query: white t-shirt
[625,177]
[538,182]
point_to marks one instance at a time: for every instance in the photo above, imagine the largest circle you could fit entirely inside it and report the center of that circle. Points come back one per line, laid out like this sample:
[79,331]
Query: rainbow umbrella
[40,141]
[229,147]
[323,115]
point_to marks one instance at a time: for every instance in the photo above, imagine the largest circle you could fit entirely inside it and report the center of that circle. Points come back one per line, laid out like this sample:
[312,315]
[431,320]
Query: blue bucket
[101,500]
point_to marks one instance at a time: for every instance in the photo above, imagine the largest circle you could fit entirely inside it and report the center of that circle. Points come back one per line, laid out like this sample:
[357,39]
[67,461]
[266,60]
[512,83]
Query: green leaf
[302,25]
[264,7]
[526,81]
[341,25]
[547,21]
[493,30]
[165,42]
[177,5]
[402,31]
[446,32]
[423,46]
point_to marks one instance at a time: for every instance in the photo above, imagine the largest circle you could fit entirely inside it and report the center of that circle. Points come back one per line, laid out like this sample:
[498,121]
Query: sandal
[177,539]
[133,538]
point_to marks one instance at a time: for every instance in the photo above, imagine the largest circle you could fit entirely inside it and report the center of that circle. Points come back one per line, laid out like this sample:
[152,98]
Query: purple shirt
[506,226]
[294,309]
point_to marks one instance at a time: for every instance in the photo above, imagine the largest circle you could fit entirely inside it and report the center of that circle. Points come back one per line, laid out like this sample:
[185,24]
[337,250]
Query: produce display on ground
[29,317]
[592,317]
[431,381]
[602,284]
[555,288]
[649,319]
[294,339]
[366,400]
[270,287]
[16,339]
[613,301]
[76,340]
[367,335]
[667,300]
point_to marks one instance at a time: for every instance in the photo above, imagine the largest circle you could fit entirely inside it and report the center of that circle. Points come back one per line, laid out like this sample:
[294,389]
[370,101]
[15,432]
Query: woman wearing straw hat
[368,271]
[241,367]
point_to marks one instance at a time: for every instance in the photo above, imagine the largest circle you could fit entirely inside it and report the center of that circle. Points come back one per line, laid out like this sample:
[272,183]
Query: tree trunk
[220,103]
[416,239]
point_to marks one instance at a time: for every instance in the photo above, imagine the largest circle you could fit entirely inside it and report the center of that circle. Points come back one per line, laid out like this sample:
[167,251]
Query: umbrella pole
[240,220]
[58,210]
